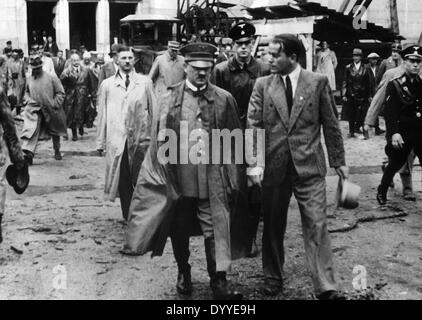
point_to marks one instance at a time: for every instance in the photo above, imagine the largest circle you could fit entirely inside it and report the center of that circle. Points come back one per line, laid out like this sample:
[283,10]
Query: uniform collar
[235,64]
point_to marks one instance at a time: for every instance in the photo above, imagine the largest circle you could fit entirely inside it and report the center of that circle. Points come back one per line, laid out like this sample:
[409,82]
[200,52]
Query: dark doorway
[40,18]
[82,25]
[119,11]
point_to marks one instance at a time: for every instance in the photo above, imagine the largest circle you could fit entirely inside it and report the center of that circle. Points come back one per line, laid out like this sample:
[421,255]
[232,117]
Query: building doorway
[119,11]
[82,25]
[40,17]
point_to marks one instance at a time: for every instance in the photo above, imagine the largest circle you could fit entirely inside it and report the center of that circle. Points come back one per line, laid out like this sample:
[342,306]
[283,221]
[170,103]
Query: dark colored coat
[297,136]
[403,111]
[52,48]
[373,78]
[230,76]
[157,190]
[8,130]
[79,89]
[59,65]
[108,70]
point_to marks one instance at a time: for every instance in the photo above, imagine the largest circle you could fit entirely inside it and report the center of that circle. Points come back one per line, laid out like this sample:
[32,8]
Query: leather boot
[81,131]
[382,194]
[406,180]
[181,254]
[218,281]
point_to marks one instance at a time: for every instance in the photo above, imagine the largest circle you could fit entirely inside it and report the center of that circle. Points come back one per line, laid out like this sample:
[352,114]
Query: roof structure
[331,25]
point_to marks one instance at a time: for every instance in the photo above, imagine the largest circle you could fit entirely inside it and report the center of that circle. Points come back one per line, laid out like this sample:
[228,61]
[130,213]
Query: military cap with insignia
[413,52]
[199,54]
[242,32]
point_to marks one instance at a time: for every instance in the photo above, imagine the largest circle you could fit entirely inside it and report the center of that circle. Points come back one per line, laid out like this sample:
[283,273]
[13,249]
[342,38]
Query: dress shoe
[331,295]
[81,131]
[57,155]
[365,134]
[75,138]
[272,288]
[379,132]
[384,165]
[382,195]
[184,283]
[409,196]
[220,288]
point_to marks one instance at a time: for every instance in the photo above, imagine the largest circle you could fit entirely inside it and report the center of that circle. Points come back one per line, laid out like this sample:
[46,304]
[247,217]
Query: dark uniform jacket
[230,76]
[403,112]
[373,78]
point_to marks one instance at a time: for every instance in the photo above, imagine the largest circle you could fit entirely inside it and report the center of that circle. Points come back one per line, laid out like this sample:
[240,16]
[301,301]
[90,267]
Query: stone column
[21,26]
[103,26]
[62,25]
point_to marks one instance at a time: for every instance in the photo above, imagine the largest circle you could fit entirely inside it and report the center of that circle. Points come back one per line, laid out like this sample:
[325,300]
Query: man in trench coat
[126,102]
[180,199]
[292,105]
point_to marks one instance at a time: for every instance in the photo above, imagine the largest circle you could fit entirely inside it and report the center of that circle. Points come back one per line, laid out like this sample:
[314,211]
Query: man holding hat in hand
[9,147]
[403,116]
[167,69]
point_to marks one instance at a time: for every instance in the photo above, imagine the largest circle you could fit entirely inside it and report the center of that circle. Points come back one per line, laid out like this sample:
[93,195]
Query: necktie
[289,94]
[127,82]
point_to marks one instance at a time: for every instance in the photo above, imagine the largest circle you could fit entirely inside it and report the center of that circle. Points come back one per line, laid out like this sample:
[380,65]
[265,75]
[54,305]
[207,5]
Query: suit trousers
[186,210]
[126,187]
[311,197]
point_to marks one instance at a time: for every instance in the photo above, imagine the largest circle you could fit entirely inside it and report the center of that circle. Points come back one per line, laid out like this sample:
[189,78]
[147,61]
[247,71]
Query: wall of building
[13,23]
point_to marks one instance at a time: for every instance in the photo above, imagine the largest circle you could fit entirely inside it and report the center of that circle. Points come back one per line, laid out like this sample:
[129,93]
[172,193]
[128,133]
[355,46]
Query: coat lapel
[278,95]
[299,100]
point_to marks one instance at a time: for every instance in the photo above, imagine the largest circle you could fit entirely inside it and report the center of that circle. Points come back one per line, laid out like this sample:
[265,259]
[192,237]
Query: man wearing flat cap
[293,105]
[204,189]
[10,149]
[356,93]
[43,115]
[167,69]
[403,117]
[238,76]
[391,62]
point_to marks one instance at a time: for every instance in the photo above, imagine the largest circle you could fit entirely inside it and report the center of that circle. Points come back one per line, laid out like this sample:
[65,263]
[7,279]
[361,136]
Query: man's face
[76,61]
[413,65]
[15,56]
[396,55]
[50,39]
[280,62]
[373,62]
[87,60]
[60,54]
[199,77]
[357,58]
[173,53]
[324,45]
[243,49]
[126,60]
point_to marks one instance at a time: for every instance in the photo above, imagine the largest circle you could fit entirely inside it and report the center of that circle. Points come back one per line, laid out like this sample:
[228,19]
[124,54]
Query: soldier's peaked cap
[243,31]
[199,54]
[413,51]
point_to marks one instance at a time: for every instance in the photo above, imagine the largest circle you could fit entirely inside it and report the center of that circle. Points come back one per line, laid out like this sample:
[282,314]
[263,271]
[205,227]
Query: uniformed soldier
[238,76]
[403,116]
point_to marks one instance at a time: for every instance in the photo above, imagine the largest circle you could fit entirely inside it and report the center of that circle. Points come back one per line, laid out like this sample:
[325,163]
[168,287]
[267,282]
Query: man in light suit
[291,105]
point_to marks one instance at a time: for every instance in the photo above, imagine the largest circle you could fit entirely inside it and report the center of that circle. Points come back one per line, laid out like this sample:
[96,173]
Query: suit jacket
[107,71]
[297,136]
[373,78]
[59,65]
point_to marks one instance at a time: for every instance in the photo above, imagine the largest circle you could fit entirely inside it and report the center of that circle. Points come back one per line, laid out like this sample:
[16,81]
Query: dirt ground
[62,241]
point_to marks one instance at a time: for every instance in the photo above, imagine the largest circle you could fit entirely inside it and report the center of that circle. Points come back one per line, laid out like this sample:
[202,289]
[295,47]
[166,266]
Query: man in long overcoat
[16,76]
[10,149]
[167,69]
[126,101]
[80,85]
[180,199]
[43,114]
[238,76]
[292,105]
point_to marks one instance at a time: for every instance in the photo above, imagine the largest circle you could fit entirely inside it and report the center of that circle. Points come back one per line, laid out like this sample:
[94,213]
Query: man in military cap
[356,92]
[238,76]
[204,202]
[43,115]
[391,62]
[403,116]
[167,69]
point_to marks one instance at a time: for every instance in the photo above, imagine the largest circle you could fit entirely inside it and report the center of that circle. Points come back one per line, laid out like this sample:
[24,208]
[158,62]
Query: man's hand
[397,141]
[255,175]
[343,172]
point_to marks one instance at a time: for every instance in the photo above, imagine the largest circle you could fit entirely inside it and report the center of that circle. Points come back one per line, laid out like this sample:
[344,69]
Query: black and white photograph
[226,151]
